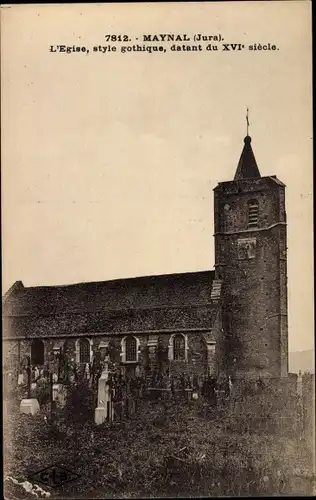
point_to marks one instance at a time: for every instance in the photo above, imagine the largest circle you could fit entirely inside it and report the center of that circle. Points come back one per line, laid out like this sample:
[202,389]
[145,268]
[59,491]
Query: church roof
[145,291]
[247,166]
[186,300]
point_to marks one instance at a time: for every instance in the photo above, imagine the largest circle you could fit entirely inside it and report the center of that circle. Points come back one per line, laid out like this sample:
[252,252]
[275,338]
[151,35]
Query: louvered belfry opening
[253,213]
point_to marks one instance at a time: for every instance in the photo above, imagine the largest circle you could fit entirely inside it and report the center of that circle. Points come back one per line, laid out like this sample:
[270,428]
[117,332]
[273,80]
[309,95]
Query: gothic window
[84,351]
[37,352]
[130,349]
[253,213]
[178,348]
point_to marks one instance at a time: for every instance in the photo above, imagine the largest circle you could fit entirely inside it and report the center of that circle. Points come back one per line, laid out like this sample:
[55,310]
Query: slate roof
[147,303]
[247,166]
[147,291]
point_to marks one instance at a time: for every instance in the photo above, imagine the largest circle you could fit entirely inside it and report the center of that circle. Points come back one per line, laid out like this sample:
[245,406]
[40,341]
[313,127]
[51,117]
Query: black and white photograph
[157,250]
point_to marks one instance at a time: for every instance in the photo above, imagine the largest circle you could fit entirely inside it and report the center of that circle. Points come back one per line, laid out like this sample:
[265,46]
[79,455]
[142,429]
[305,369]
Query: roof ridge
[190,273]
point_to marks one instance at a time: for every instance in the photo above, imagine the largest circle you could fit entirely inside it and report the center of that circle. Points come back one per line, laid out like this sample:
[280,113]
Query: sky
[109,161]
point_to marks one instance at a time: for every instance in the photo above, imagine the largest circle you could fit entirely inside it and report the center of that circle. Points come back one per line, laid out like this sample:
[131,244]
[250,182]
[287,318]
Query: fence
[260,405]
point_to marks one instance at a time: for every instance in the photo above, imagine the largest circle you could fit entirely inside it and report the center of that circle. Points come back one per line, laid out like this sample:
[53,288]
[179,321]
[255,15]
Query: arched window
[178,348]
[37,352]
[253,213]
[84,351]
[130,349]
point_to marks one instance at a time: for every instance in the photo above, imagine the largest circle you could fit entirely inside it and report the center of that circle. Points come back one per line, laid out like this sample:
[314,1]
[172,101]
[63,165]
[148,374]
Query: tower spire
[247,166]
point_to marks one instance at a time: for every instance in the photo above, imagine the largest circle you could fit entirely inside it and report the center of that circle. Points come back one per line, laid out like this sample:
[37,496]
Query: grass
[166,449]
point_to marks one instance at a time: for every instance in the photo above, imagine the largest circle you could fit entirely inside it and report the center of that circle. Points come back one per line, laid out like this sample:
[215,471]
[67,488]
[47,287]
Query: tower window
[130,349]
[253,214]
[178,348]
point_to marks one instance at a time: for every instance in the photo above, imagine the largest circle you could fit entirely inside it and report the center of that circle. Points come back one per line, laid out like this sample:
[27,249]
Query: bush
[42,393]
[80,403]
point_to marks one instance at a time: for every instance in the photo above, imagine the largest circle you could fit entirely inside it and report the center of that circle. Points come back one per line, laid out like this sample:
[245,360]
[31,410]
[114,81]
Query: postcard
[157,228]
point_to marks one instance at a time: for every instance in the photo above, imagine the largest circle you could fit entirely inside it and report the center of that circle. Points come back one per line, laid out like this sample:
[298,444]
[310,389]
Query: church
[228,321]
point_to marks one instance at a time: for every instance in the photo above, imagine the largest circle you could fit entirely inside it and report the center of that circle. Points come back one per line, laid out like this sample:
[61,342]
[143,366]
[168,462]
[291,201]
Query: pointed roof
[247,166]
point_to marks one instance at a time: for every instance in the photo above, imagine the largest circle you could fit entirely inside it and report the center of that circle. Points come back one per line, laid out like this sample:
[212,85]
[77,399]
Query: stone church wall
[160,359]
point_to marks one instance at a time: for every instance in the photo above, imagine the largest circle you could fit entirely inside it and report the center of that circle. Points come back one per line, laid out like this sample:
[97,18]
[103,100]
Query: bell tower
[251,261]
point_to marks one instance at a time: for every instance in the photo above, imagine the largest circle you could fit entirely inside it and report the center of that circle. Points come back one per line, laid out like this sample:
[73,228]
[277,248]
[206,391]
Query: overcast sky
[110,160]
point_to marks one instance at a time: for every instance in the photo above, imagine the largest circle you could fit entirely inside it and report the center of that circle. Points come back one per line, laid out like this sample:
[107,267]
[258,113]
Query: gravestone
[29,406]
[104,409]
[59,394]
